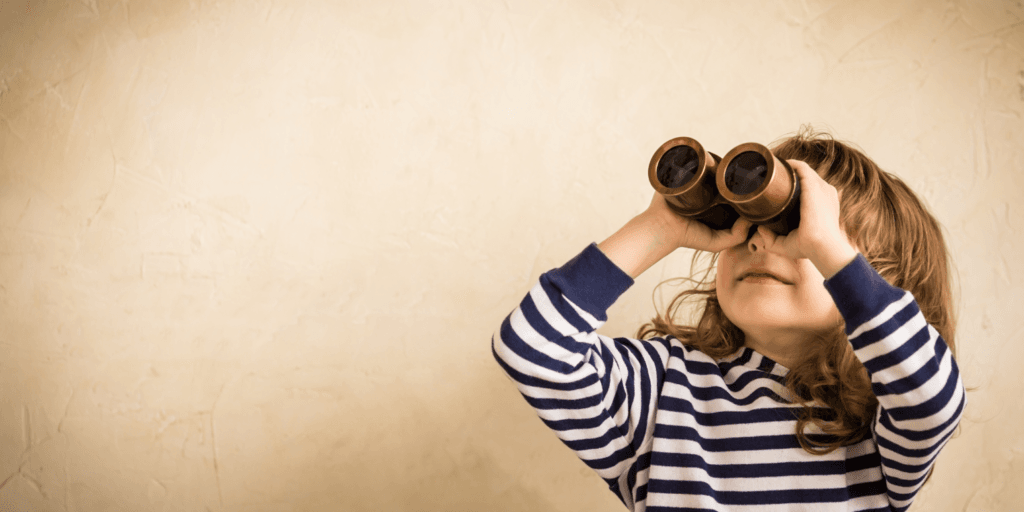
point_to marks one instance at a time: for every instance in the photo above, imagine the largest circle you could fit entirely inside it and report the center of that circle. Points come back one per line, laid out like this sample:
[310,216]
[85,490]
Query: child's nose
[755,242]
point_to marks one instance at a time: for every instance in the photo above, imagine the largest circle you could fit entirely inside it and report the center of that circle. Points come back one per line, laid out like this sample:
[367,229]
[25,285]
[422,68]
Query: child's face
[783,315]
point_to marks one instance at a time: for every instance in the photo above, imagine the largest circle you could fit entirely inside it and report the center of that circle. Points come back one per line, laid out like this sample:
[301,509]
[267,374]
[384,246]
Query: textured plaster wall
[252,252]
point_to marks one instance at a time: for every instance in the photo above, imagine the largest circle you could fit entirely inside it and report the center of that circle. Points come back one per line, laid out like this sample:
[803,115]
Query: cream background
[252,252]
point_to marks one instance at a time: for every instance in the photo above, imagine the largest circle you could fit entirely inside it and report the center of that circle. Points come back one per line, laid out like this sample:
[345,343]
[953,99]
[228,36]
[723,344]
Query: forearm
[639,244]
[913,374]
[912,370]
[571,375]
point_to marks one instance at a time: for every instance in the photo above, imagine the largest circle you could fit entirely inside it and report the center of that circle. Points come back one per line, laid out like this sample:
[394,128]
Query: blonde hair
[898,236]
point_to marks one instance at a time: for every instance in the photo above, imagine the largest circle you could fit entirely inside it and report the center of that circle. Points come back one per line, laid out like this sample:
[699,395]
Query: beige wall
[252,252]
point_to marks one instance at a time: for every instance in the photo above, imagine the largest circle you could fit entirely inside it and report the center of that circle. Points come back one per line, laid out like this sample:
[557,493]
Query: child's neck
[787,350]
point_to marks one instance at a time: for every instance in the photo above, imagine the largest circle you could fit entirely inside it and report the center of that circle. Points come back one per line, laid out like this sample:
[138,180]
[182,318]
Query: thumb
[773,243]
[739,233]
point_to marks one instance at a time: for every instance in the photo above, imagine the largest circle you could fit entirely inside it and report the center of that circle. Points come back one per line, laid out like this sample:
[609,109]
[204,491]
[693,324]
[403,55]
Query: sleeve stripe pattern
[913,374]
[592,391]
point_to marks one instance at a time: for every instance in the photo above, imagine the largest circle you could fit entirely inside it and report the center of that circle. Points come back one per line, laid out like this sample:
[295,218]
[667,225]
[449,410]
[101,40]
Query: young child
[820,375]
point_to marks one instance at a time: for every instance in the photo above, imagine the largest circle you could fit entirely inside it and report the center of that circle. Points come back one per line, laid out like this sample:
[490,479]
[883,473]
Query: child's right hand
[655,233]
[693,234]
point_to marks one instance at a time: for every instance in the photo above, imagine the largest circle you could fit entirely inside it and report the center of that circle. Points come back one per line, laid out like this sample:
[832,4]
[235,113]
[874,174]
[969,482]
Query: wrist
[832,257]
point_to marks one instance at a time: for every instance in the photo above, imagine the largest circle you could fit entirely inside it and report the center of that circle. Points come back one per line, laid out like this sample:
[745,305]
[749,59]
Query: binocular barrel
[749,182]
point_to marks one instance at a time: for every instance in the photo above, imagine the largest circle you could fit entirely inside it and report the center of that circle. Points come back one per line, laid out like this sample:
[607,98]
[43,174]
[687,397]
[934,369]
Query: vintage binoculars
[749,182]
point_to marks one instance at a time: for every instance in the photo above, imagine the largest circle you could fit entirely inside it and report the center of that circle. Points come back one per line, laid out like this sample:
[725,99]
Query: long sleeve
[913,374]
[595,392]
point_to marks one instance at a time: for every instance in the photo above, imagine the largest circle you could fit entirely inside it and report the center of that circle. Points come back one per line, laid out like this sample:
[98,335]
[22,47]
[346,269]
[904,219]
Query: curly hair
[898,236]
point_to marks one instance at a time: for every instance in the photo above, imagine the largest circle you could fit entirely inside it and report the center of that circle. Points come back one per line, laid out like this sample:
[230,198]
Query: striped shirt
[669,428]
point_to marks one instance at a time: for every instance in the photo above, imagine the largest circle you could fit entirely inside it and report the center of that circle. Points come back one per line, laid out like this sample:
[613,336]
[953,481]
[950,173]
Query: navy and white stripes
[670,428]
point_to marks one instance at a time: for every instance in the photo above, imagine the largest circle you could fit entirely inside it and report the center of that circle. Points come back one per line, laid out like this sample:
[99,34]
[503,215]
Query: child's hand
[819,237]
[692,234]
[655,233]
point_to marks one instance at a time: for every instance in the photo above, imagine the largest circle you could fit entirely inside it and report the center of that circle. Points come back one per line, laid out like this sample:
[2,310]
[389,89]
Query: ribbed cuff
[591,281]
[860,292]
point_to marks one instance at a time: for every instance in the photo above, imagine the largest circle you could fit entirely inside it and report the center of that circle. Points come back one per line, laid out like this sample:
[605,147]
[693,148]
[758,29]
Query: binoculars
[749,182]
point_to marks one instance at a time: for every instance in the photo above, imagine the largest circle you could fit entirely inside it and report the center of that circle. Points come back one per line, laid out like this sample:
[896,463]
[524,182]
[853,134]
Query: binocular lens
[746,172]
[677,166]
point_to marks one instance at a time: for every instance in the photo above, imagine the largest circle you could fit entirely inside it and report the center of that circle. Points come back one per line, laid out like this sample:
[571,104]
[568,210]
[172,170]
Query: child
[820,375]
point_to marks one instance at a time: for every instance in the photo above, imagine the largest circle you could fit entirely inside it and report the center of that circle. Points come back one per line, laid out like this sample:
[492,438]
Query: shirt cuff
[591,281]
[860,292]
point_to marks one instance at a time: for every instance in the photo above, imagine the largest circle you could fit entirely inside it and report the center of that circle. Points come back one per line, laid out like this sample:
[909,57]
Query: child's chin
[766,314]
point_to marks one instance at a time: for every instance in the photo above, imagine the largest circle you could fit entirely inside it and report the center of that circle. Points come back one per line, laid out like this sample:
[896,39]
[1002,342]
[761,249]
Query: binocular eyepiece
[749,182]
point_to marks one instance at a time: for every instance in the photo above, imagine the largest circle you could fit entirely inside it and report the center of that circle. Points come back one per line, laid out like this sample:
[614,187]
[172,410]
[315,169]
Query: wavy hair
[898,236]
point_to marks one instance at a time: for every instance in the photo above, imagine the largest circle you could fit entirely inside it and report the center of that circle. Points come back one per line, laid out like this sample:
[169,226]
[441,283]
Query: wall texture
[252,252]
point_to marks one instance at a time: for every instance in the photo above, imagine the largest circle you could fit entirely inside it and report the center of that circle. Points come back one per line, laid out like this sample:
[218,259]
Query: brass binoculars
[749,182]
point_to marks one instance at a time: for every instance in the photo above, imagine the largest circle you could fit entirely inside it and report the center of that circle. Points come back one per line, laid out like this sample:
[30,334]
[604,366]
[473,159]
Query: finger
[741,228]
[723,239]
[802,168]
[772,242]
[728,238]
[741,231]
[809,178]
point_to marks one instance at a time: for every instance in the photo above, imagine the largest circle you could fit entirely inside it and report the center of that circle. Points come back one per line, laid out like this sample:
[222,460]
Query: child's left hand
[819,236]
